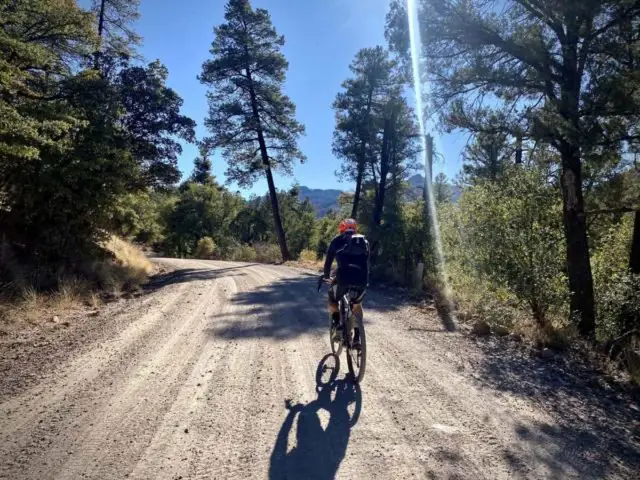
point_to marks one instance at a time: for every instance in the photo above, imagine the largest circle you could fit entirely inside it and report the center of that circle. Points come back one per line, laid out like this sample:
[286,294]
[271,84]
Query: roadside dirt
[214,373]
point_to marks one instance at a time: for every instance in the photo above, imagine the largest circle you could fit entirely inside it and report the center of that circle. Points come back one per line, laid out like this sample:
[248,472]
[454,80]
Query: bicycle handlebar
[326,281]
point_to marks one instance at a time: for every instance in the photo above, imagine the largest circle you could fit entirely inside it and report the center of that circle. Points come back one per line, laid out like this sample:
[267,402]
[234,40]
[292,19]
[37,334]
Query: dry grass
[243,253]
[126,271]
[308,259]
[267,253]
[307,255]
[129,268]
[259,252]
[131,257]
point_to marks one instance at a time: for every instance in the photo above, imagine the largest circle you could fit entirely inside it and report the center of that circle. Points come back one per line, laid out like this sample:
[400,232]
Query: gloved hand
[320,282]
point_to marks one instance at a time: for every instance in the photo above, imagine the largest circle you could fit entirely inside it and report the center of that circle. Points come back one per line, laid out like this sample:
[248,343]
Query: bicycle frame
[346,315]
[348,324]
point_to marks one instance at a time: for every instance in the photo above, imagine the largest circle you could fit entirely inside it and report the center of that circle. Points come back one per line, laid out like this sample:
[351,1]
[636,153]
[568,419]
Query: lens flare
[445,304]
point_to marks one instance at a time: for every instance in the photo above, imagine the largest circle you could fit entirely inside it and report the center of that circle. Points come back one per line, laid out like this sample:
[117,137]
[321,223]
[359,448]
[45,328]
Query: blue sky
[322,36]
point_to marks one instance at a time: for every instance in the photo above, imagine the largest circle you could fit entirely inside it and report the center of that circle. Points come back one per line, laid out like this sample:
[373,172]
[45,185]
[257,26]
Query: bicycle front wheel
[357,358]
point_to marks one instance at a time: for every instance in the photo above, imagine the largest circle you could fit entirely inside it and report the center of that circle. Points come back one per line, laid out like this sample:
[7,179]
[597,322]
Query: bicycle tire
[336,346]
[358,365]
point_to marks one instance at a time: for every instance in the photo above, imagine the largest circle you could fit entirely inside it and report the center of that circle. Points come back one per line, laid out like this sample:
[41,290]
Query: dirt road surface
[211,374]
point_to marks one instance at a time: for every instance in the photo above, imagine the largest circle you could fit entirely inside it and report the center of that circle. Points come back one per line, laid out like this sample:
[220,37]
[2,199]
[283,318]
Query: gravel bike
[349,333]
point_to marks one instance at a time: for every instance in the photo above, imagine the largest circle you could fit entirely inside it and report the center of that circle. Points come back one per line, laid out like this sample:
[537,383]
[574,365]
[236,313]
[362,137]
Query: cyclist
[351,252]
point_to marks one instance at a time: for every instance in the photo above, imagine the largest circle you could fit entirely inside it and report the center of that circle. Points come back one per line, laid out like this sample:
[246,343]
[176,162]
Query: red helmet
[348,225]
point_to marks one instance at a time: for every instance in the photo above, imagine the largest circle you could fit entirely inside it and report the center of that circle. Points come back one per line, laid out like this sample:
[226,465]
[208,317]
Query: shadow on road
[192,275]
[318,451]
[593,424]
[287,308]
[281,309]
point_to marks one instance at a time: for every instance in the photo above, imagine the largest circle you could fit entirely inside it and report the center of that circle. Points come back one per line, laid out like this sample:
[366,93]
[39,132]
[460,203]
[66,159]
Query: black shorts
[337,291]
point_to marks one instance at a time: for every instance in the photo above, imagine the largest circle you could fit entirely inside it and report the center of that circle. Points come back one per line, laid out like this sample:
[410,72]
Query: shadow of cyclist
[318,451]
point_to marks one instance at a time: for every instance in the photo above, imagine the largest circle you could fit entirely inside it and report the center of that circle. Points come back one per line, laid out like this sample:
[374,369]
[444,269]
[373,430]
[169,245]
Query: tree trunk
[362,159]
[519,149]
[575,230]
[634,259]
[575,226]
[101,18]
[385,159]
[356,196]
[282,239]
[100,32]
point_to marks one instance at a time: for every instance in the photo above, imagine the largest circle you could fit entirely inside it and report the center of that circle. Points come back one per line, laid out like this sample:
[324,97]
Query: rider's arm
[331,255]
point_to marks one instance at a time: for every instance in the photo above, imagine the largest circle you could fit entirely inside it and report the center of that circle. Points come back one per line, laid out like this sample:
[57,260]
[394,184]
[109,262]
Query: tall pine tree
[114,20]
[354,136]
[250,119]
[202,169]
[566,70]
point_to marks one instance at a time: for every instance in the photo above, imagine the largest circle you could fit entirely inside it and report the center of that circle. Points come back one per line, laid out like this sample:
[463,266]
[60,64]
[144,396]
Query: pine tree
[202,169]
[486,157]
[114,21]
[442,190]
[563,71]
[250,119]
[354,134]
[396,148]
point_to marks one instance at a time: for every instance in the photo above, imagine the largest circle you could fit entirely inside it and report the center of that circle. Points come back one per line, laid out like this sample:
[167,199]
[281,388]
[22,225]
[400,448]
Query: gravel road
[212,374]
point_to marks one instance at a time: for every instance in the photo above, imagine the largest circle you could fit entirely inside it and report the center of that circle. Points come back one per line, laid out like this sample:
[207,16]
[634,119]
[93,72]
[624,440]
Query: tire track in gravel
[98,388]
[196,389]
[253,389]
[137,406]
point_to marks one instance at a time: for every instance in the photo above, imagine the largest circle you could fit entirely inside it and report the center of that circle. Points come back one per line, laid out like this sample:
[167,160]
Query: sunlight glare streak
[416,52]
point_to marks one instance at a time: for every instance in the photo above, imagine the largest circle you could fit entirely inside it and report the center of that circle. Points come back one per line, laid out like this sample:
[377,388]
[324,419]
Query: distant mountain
[325,200]
[417,181]
[322,200]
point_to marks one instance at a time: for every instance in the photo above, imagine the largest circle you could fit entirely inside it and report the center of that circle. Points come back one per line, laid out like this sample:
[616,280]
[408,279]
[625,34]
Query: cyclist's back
[351,251]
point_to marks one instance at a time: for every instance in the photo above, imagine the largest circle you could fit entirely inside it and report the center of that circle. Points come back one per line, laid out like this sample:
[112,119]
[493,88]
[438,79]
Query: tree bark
[363,156]
[100,32]
[101,18]
[356,195]
[282,239]
[575,230]
[574,219]
[385,159]
[519,149]
[634,258]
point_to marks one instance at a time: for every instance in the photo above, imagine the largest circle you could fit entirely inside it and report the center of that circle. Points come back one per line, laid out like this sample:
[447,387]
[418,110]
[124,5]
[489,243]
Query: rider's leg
[359,313]
[332,306]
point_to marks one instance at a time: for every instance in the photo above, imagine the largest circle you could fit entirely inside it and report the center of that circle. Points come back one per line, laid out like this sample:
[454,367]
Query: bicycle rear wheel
[357,358]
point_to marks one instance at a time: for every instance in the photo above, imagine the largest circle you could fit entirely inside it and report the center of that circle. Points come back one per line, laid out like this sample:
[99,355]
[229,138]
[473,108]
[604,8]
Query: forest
[544,236]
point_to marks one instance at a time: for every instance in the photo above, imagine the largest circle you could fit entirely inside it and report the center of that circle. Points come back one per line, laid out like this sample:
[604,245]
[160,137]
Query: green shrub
[504,240]
[205,248]
[618,306]
[267,253]
[243,253]
[308,255]
[260,252]
[617,298]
